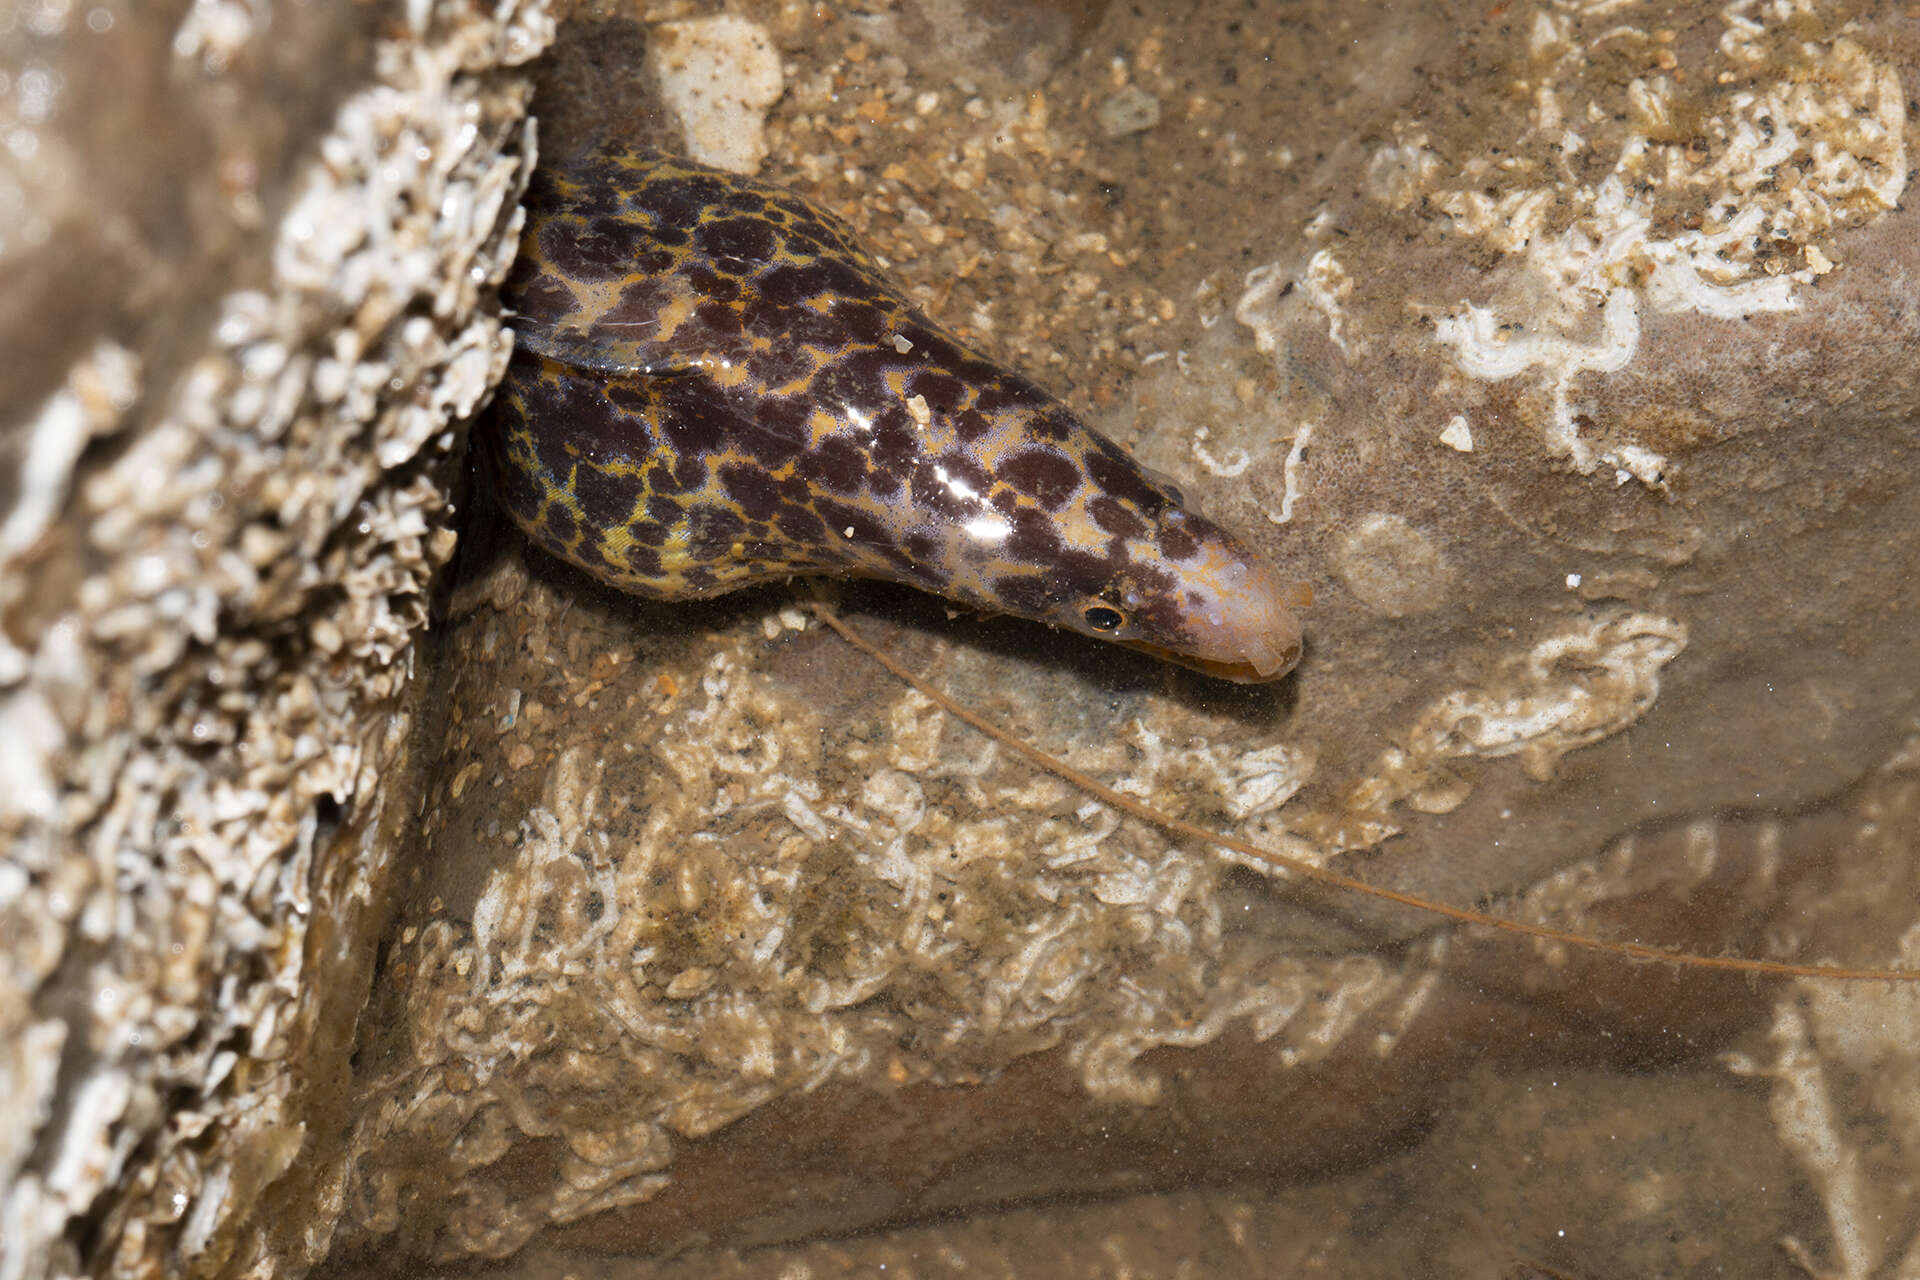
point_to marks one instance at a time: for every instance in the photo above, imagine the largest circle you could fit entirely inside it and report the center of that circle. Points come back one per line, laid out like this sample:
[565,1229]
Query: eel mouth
[1271,664]
[1251,635]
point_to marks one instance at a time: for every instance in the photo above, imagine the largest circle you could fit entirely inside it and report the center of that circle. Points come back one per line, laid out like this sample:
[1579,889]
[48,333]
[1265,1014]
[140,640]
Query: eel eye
[1104,617]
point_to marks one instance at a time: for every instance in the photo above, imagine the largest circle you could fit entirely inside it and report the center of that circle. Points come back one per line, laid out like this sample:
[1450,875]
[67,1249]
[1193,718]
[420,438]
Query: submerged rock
[725,935]
[1570,357]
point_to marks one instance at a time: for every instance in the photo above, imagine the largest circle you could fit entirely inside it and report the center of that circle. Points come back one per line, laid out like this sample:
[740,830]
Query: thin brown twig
[1177,826]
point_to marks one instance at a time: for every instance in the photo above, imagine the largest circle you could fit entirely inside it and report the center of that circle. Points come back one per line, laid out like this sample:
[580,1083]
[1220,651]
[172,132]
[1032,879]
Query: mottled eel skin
[714,385]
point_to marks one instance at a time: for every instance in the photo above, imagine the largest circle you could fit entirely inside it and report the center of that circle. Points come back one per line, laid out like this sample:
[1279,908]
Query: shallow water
[723,937]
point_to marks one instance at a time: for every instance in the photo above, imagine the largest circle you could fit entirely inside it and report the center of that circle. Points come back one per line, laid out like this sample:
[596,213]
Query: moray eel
[713,385]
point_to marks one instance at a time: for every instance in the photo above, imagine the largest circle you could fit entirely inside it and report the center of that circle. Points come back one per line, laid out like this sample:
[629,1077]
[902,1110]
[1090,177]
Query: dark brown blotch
[631,396]
[790,417]
[885,484]
[863,320]
[852,530]
[971,425]
[761,495]
[936,497]
[748,239]
[697,419]
[708,282]
[963,466]
[635,318]
[924,549]
[560,524]
[795,284]
[1026,593]
[780,365]
[581,254]
[792,326]
[588,556]
[718,324]
[943,392]
[1115,517]
[1048,477]
[686,472]
[680,196]
[755,492]
[642,559]
[606,498]
[802,527]
[1117,474]
[858,377]
[1176,540]
[838,465]
[576,414]
[937,351]
[712,531]
[1054,424]
[1035,538]
[540,300]
[669,236]
[1009,392]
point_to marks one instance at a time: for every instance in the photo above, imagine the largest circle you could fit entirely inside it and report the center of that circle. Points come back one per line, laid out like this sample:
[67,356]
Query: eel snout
[1240,624]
